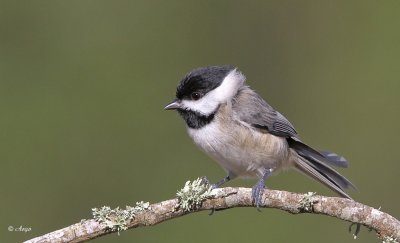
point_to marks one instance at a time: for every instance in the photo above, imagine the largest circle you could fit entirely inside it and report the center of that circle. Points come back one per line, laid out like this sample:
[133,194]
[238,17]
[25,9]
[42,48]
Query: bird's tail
[316,165]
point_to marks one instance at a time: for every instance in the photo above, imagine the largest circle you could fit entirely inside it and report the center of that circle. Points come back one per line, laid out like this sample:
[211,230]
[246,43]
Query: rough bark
[385,225]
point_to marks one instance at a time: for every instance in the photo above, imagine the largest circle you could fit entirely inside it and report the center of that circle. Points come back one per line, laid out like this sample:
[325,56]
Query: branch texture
[386,226]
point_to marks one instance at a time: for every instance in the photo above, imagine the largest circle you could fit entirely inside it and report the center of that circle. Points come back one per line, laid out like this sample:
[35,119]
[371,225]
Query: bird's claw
[206,181]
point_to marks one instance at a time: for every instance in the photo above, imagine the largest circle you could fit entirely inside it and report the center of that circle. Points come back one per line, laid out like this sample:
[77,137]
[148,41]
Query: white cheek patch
[223,93]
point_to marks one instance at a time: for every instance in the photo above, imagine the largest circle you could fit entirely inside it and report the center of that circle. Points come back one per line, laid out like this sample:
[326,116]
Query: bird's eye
[195,95]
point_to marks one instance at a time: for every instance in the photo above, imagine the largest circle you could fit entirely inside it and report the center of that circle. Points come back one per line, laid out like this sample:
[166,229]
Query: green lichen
[141,206]
[193,194]
[307,202]
[118,219]
[389,239]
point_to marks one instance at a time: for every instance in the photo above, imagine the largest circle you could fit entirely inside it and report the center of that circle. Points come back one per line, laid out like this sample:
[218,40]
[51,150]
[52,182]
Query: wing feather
[250,108]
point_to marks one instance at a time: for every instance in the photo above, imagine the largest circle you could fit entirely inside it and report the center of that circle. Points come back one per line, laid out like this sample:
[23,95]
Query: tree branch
[386,226]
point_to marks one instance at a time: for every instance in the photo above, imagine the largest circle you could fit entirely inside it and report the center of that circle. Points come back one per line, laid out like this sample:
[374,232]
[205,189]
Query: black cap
[202,80]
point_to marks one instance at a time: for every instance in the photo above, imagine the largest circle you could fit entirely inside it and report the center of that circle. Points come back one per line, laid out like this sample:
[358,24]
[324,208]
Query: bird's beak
[175,104]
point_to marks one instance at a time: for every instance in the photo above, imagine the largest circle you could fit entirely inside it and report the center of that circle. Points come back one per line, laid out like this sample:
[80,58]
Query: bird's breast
[239,149]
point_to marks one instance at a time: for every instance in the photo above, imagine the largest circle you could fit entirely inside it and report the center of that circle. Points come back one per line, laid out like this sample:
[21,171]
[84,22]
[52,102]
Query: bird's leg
[218,184]
[221,182]
[258,188]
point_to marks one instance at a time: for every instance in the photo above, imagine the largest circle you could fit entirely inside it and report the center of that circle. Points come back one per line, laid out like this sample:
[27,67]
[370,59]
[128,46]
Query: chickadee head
[203,89]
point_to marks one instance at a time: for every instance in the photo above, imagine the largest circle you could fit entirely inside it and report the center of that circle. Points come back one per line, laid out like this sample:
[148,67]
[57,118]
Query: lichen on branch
[118,219]
[193,194]
[197,196]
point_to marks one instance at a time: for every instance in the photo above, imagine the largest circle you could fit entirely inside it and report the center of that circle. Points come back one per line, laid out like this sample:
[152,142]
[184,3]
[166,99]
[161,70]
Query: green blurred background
[83,85]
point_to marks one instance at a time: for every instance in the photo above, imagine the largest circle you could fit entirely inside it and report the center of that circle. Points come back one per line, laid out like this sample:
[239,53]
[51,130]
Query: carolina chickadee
[232,124]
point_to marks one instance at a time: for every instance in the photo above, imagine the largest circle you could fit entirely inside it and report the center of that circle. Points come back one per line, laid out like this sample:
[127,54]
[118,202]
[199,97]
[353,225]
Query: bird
[246,136]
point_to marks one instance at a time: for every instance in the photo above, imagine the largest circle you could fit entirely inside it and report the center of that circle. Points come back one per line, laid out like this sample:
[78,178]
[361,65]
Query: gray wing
[250,108]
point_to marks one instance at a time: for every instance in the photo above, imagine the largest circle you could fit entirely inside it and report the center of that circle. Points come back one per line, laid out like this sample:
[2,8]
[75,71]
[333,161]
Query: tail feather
[305,167]
[316,165]
[335,159]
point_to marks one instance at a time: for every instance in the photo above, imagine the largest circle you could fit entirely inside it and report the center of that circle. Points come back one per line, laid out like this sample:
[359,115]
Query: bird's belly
[242,152]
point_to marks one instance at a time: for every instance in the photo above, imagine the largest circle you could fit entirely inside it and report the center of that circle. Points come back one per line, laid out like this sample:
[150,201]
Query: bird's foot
[221,182]
[205,181]
[257,193]
[216,185]
[258,189]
